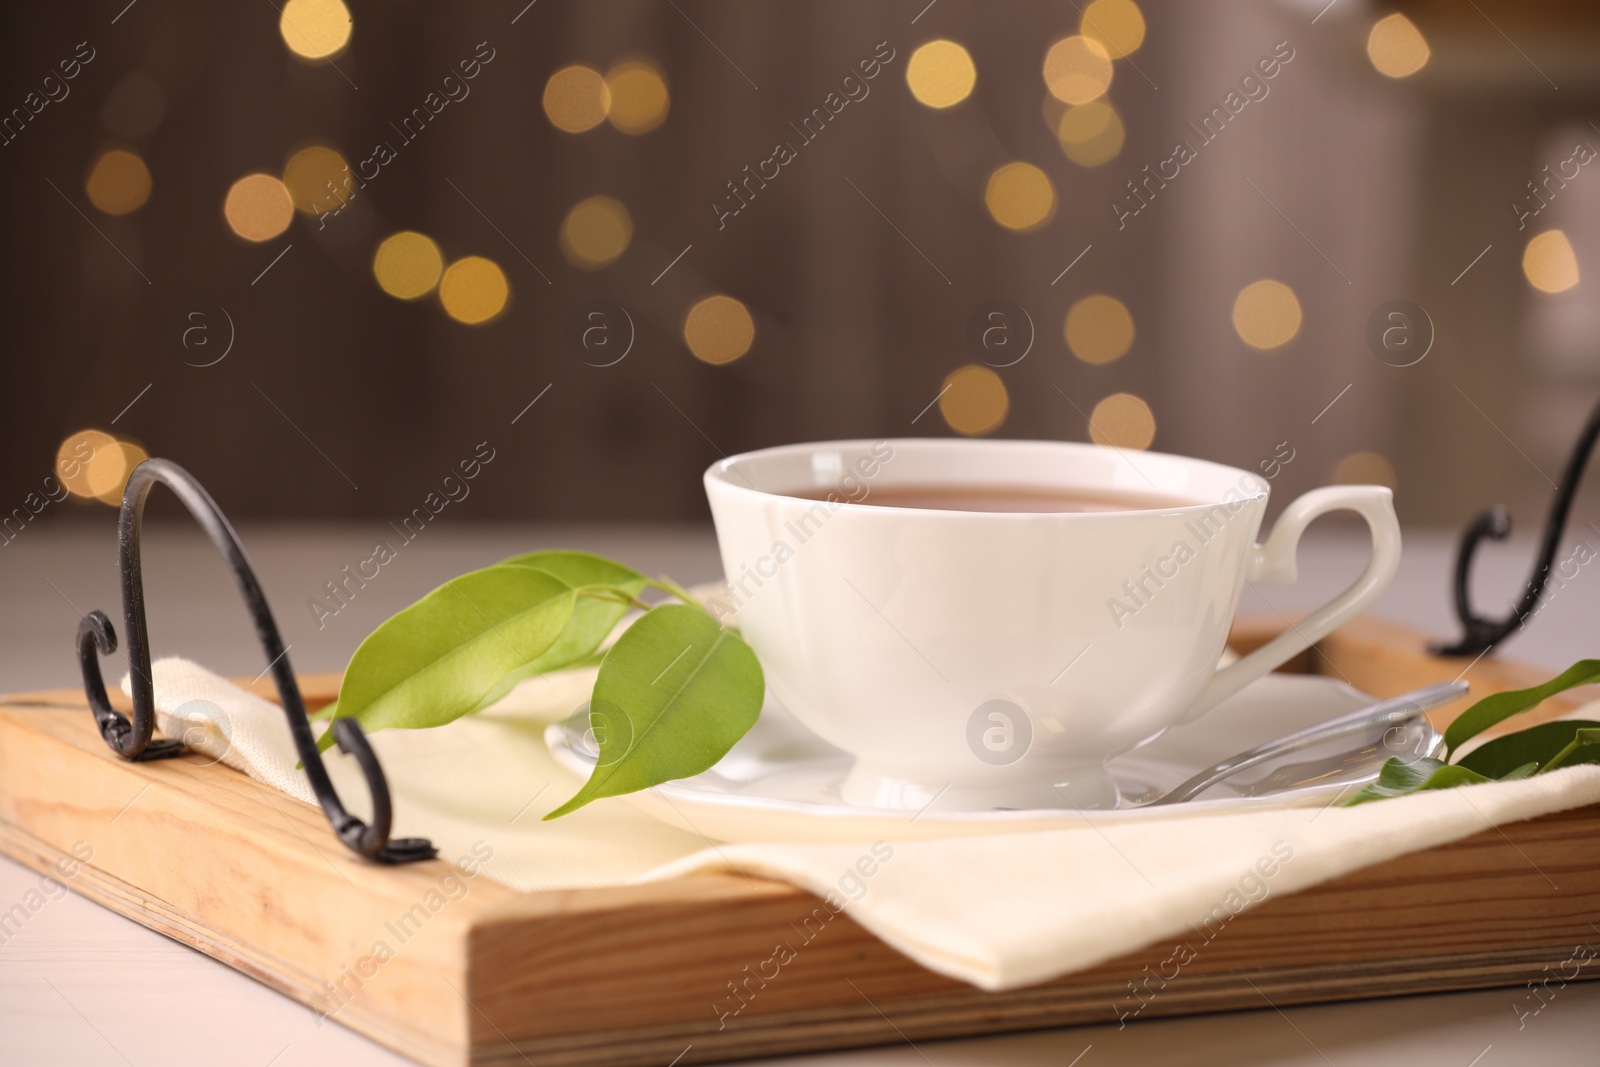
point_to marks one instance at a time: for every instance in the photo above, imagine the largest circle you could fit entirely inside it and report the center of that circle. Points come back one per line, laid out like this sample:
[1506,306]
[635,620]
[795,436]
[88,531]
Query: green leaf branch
[1536,750]
[672,695]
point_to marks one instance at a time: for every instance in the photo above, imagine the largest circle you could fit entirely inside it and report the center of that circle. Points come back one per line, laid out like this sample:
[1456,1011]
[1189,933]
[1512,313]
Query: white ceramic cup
[983,659]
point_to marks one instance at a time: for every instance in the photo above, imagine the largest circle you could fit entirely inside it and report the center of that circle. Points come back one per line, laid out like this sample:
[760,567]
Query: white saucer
[780,783]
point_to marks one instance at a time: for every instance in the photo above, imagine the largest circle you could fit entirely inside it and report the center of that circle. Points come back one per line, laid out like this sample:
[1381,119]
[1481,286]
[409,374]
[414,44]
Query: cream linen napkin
[998,912]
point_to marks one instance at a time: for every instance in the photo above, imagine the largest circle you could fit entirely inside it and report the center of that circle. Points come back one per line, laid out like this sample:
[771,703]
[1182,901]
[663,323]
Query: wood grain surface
[631,975]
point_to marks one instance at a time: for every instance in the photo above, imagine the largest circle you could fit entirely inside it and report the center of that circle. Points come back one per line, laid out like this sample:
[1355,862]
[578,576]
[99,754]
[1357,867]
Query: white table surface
[80,985]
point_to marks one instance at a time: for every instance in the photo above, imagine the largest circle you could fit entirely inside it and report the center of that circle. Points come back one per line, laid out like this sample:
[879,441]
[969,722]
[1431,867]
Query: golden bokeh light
[639,97]
[1099,329]
[1365,468]
[576,99]
[1090,134]
[595,232]
[1077,70]
[1118,25]
[128,456]
[1266,314]
[974,401]
[1549,263]
[1396,47]
[941,74]
[258,207]
[1122,420]
[88,462]
[474,290]
[315,177]
[119,182]
[1020,197]
[719,329]
[407,265]
[315,29]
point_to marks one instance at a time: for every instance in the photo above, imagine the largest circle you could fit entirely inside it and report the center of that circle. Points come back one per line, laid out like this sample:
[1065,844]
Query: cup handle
[1274,561]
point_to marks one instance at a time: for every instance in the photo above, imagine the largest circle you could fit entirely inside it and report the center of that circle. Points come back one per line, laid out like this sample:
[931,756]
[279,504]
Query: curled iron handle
[1481,634]
[132,739]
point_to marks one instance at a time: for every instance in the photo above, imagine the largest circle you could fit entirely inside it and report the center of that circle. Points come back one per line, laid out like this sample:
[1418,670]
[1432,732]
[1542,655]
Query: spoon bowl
[1388,728]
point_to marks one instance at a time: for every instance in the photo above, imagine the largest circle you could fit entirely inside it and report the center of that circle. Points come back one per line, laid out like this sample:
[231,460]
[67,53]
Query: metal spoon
[1396,711]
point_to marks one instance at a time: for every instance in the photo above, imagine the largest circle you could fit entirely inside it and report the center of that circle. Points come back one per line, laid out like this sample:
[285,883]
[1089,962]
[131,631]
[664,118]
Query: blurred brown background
[862,265]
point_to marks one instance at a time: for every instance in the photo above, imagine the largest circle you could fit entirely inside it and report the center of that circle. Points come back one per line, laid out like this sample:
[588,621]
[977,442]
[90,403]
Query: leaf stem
[1560,757]
[614,594]
[667,585]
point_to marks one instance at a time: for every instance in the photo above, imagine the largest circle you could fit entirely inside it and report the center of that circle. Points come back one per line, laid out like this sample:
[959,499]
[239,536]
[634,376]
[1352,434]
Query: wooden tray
[630,975]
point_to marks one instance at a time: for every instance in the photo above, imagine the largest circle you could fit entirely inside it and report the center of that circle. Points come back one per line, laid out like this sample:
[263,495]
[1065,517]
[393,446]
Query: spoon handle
[1392,712]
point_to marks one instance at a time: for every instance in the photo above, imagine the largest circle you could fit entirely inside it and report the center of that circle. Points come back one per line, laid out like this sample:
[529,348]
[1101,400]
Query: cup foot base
[872,786]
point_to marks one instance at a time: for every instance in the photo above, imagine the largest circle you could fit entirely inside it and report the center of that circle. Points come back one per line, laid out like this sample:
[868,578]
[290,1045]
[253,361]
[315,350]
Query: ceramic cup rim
[1249,485]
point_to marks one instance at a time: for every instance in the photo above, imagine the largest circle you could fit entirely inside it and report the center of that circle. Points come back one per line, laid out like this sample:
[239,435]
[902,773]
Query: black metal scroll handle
[132,740]
[1481,634]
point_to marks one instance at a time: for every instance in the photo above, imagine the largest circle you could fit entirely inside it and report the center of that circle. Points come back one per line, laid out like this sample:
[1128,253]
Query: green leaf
[579,568]
[674,694]
[1500,706]
[1402,775]
[1537,745]
[434,661]
[593,618]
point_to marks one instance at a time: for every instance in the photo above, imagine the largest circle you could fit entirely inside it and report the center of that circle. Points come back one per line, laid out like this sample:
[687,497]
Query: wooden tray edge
[132,903]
